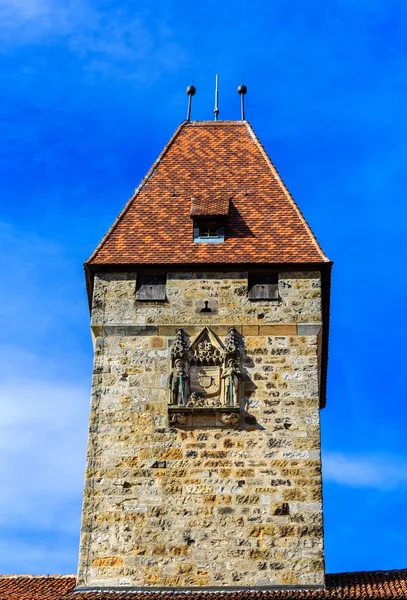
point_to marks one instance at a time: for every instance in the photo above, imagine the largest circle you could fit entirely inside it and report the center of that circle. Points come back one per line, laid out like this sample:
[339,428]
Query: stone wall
[168,507]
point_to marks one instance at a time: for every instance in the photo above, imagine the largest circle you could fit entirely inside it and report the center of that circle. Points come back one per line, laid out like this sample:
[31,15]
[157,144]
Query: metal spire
[242,90]
[216,109]
[191,89]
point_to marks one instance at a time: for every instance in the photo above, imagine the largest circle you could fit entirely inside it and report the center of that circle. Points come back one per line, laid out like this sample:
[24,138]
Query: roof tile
[215,206]
[210,160]
[383,585]
[30,587]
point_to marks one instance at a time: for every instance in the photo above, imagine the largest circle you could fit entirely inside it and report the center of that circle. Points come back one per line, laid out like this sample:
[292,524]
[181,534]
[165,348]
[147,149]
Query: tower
[209,311]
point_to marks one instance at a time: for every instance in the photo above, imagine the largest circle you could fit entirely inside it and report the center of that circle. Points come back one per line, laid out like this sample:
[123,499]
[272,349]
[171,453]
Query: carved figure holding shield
[176,383]
[231,374]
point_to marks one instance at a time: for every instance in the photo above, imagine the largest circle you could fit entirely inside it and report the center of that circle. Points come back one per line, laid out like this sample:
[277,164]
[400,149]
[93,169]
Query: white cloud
[36,558]
[44,405]
[25,8]
[136,43]
[42,454]
[29,17]
[378,471]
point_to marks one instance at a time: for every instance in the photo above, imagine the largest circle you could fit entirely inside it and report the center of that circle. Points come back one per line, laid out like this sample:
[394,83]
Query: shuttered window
[150,287]
[263,286]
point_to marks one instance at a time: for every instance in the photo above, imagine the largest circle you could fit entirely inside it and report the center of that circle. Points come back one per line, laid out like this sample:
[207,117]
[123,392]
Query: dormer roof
[210,167]
[214,206]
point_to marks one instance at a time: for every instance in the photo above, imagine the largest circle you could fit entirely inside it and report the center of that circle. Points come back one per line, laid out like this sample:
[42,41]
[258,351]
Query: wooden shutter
[150,287]
[263,286]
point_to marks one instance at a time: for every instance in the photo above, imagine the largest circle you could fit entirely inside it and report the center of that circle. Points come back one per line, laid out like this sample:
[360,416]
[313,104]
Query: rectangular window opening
[263,286]
[151,287]
[208,231]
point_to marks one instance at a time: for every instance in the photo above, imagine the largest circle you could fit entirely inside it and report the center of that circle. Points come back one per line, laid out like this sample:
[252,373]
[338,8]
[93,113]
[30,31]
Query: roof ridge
[138,190]
[286,191]
[375,571]
[216,123]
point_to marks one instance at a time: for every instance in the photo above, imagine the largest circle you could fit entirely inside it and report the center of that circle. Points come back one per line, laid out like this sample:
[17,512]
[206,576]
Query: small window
[150,287]
[263,286]
[208,231]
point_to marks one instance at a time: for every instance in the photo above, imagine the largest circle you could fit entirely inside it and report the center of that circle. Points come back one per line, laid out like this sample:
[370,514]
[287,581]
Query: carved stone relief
[205,376]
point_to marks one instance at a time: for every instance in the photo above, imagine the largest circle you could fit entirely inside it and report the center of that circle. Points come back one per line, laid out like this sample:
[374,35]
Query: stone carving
[206,353]
[198,401]
[231,343]
[231,374]
[231,419]
[176,383]
[179,349]
[205,380]
[178,419]
[206,374]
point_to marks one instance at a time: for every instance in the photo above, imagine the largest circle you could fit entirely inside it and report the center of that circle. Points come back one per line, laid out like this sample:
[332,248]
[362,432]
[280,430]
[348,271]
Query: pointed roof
[217,161]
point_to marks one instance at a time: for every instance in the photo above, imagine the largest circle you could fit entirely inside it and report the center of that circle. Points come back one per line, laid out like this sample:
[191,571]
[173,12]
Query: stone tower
[209,312]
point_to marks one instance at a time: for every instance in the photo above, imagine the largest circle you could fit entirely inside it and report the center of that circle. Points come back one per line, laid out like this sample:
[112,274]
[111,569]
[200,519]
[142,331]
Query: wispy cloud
[104,40]
[44,403]
[25,9]
[39,558]
[365,471]
[32,18]
[42,452]
[42,455]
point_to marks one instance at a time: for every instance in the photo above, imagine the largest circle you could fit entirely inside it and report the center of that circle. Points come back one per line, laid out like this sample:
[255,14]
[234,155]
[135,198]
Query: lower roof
[355,585]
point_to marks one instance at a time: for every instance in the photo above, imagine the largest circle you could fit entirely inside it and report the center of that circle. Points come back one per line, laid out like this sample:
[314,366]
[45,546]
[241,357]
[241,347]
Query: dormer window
[209,215]
[208,231]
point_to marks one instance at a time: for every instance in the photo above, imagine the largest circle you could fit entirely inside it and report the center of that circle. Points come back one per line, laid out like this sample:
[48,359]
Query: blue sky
[90,92]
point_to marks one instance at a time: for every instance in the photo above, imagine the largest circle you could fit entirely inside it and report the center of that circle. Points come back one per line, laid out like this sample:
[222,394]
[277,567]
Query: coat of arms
[205,380]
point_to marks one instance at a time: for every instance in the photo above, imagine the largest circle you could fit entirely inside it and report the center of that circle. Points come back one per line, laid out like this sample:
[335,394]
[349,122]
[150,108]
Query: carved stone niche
[204,381]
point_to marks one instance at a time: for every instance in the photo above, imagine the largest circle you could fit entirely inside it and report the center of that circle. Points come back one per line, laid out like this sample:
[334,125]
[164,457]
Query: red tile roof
[29,587]
[340,586]
[210,159]
[210,206]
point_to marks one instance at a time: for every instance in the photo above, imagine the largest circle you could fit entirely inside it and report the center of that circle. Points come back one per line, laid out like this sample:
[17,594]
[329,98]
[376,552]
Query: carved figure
[198,401]
[229,419]
[176,383]
[231,374]
[178,419]
[195,400]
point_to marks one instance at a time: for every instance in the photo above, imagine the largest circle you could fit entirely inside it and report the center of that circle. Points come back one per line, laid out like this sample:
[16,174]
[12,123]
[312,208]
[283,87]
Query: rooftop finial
[242,90]
[191,89]
[216,109]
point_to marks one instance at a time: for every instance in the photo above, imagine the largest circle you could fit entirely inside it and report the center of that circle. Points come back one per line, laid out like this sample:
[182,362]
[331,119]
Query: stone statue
[176,383]
[231,374]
